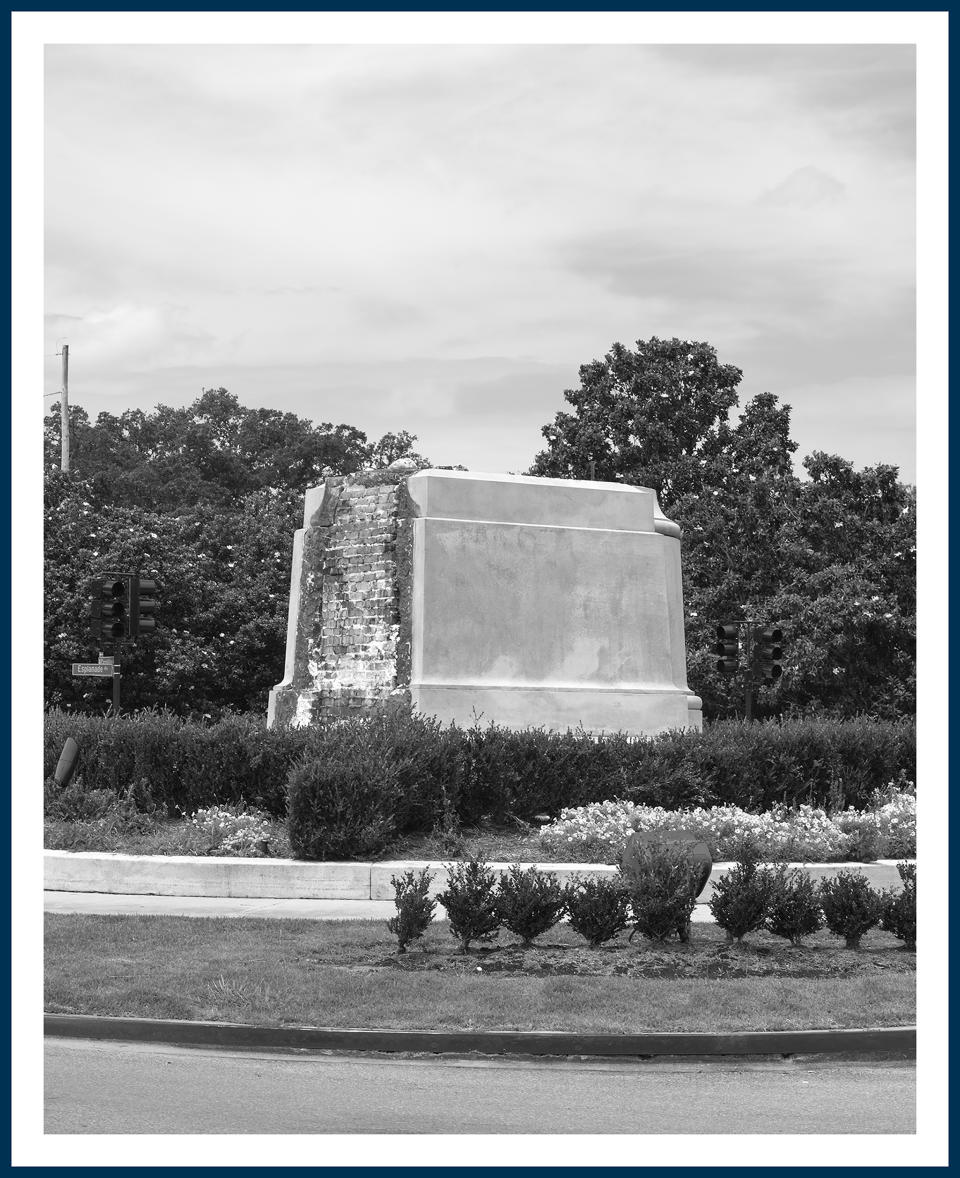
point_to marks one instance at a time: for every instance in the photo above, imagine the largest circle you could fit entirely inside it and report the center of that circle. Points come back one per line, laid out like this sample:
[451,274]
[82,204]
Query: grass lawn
[347,974]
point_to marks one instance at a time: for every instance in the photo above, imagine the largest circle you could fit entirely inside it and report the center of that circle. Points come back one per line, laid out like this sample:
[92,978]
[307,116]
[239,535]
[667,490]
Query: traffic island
[345,975]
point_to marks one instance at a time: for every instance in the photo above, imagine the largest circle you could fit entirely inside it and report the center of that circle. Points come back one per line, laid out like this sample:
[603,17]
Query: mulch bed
[707,955]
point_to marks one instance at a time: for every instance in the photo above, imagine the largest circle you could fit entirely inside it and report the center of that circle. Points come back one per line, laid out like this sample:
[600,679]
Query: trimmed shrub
[900,908]
[529,902]
[471,902]
[447,773]
[186,764]
[663,891]
[599,909]
[850,905]
[339,810]
[741,897]
[793,909]
[415,907]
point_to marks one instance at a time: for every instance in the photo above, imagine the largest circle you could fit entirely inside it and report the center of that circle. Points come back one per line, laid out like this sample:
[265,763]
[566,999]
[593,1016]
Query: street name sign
[103,669]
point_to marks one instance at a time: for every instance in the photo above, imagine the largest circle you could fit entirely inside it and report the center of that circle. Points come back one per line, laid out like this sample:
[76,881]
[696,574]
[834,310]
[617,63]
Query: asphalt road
[97,1087]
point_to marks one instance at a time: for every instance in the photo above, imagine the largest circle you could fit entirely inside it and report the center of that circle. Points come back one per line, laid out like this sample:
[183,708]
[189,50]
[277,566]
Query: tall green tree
[831,557]
[205,500]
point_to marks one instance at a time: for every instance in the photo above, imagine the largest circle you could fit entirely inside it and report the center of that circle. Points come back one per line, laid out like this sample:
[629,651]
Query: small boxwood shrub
[663,888]
[599,909]
[900,908]
[529,902]
[850,905]
[741,897]
[471,902]
[415,907]
[793,909]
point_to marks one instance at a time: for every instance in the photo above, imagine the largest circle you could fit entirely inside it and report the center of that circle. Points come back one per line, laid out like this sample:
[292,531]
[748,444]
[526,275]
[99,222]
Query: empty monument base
[505,599]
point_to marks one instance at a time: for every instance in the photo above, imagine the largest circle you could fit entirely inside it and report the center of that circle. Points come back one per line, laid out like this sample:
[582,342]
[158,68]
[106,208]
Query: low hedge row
[404,773]
[657,897]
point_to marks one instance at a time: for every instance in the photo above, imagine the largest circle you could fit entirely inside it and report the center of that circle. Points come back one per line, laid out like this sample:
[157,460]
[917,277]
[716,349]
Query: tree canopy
[831,557]
[205,500]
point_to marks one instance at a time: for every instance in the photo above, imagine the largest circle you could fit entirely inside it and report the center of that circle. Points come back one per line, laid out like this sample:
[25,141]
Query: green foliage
[663,890]
[851,907]
[434,775]
[831,557]
[205,500]
[344,808]
[529,902]
[471,902]
[793,910]
[741,897]
[415,907]
[185,764]
[599,908]
[96,819]
[899,914]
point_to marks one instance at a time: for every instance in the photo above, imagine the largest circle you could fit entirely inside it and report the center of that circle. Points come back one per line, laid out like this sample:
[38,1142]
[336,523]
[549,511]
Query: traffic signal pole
[65,412]
[116,679]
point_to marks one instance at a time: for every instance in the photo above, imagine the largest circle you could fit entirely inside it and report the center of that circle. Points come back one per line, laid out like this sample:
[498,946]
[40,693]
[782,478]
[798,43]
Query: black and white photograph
[486,464]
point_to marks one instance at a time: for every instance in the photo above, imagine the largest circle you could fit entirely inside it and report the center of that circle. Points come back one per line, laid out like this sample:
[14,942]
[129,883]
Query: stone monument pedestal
[521,601]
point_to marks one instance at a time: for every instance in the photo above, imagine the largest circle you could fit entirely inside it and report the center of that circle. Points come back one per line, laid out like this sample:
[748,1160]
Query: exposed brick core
[352,651]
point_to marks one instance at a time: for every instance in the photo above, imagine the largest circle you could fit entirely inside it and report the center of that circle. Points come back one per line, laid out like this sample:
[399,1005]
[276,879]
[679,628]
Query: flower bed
[597,833]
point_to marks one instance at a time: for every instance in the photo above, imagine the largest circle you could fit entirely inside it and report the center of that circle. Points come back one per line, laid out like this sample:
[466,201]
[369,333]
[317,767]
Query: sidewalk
[105,903]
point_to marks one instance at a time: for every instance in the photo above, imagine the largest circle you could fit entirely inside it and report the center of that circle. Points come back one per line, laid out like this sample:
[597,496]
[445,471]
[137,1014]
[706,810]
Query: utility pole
[65,412]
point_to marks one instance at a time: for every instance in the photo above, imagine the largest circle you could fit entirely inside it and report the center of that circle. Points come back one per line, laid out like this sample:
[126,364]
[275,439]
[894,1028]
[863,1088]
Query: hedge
[471,773]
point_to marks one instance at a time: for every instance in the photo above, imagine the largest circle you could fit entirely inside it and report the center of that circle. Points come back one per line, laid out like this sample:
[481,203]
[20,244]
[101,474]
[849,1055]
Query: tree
[205,500]
[830,557]
[214,450]
[651,417]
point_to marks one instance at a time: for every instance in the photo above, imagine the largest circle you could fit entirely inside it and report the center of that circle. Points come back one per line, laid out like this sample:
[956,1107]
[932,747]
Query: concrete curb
[179,1032]
[281,879]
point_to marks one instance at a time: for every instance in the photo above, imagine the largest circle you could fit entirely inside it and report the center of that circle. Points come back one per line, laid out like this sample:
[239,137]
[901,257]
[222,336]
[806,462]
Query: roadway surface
[102,1087]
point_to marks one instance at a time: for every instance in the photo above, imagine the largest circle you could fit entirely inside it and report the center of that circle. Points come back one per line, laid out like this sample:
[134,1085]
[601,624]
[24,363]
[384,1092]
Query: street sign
[105,660]
[105,670]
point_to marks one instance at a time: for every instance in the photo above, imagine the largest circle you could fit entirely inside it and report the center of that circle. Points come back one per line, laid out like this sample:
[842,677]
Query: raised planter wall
[284,879]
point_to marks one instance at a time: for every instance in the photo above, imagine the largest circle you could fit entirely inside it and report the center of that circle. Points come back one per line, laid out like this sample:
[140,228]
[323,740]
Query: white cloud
[264,211]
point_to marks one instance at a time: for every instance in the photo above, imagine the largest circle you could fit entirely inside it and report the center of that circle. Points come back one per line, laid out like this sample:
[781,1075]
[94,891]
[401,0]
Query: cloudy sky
[435,238]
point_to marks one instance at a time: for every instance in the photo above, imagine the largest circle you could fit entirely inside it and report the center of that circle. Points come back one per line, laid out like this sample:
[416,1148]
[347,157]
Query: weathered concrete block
[525,601]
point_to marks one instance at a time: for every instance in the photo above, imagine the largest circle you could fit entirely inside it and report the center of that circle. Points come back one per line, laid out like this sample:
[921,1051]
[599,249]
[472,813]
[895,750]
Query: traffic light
[768,652]
[111,608]
[728,648]
[145,608]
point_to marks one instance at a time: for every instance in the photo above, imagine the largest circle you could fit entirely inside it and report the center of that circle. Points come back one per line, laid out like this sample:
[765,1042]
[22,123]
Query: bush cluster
[423,773]
[657,898]
[786,902]
[598,833]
